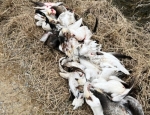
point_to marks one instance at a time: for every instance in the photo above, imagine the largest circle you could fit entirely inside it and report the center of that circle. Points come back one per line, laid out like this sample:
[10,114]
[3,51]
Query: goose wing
[134,106]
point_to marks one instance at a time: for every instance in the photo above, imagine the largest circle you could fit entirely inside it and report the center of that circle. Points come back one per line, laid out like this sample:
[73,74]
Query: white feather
[94,103]
[82,33]
[111,86]
[66,18]
[39,17]
[108,60]
[46,26]
[45,36]
[78,101]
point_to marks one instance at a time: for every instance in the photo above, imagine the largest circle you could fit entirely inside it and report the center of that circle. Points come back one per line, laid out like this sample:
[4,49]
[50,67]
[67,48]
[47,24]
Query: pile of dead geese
[93,75]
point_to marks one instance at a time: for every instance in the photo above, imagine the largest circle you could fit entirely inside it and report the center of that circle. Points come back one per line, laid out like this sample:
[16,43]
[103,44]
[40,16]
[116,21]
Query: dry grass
[29,70]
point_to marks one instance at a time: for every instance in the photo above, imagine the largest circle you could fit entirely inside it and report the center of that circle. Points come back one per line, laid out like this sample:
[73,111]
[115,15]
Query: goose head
[80,78]
[87,92]
[51,11]
[78,101]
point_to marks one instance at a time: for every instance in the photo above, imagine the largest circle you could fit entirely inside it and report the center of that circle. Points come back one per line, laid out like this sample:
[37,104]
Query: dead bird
[116,88]
[127,106]
[92,100]
[66,18]
[53,40]
[74,86]
[48,23]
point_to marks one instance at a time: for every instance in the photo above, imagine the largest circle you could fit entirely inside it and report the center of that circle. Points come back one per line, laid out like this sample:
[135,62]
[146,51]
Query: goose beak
[87,92]
[51,11]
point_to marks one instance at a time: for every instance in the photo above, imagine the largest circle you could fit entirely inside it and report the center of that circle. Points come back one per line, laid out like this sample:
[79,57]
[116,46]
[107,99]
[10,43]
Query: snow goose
[92,100]
[78,101]
[117,90]
[66,30]
[82,33]
[89,48]
[104,59]
[66,18]
[73,85]
[127,106]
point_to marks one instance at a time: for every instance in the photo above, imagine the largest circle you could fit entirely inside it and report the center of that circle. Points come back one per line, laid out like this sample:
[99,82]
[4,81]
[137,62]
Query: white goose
[91,70]
[39,17]
[62,61]
[115,88]
[108,60]
[70,48]
[43,21]
[66,30]
[75,64]
[66,18]
[78,101]
[127,106]
[89,48]
[75,81]
[92,100]
[82,33]
[46,26]
[45,36]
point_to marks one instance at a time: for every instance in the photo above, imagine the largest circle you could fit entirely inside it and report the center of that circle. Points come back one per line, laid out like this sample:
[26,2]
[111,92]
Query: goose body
[89,48]
[92,100]
[82,33]
[75,81]
[62,61]
[75,64]
[92,71]
[48,23]
[45,36]
[39,17]
[73,84]
[108,60]
[113,87]
[46,26]
[88,64]
[70,48]
[66,30]
[127,106]
[78,101]
[39,23]
[66,18]
[110,74]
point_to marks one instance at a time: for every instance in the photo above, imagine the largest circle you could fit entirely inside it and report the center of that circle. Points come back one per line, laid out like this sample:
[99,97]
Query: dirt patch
[30,82]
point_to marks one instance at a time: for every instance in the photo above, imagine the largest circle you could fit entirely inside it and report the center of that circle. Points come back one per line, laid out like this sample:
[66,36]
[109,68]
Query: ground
[29,79]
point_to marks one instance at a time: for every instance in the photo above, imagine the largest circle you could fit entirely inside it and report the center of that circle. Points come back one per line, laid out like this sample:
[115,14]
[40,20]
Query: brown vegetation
[29,79]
